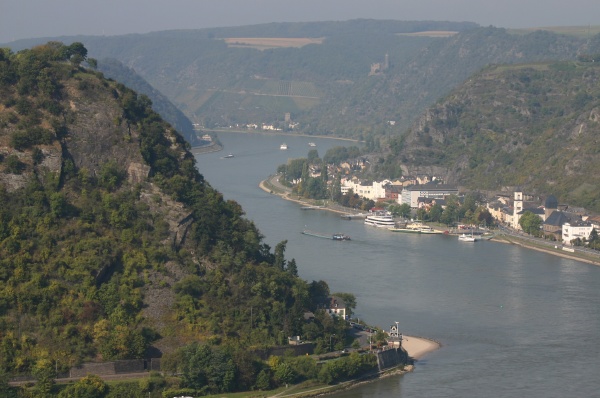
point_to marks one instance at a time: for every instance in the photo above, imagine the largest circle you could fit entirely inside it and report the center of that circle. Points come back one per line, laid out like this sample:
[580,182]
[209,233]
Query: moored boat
[380,219]
[467,238]
[416,228]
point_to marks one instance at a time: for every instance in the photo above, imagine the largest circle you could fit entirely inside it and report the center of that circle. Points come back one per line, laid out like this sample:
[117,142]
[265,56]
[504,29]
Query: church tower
[517,208]
[550,206]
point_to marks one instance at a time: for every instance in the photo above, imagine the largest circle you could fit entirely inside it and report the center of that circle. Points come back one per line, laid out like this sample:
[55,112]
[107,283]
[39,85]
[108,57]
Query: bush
[14,165]
[125,390]
[21,140]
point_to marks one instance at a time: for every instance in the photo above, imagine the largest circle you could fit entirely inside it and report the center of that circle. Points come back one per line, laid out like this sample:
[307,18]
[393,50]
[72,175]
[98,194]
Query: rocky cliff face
[533,126]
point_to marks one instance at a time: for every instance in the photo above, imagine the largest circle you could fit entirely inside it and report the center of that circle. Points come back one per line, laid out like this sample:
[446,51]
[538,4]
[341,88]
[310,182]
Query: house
[393,192]
[500,210]
[395,337]
[412,193]
[337,307]
[367,189]
[576,230]
[428,203]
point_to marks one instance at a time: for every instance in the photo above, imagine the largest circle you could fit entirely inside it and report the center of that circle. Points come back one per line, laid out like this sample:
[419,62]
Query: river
[512,322]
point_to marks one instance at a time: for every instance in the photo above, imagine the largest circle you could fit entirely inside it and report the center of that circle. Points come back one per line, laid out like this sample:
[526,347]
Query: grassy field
[263,43]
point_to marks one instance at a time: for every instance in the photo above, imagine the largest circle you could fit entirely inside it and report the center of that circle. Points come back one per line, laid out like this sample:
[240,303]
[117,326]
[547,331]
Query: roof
[557,218]
[337,302]
[432,187]
[580,223]
[534,210]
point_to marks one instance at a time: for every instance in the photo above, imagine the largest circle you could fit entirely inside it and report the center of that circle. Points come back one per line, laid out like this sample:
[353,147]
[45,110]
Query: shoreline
[503,239]
[280,134]
[416,347]
[498,239]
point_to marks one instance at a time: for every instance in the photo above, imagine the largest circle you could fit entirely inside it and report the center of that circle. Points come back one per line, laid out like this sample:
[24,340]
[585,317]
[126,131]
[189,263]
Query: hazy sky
[21,19]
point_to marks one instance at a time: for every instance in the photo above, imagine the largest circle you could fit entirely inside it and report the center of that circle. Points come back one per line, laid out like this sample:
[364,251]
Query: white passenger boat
[283,146]
[380,219]
[467,238]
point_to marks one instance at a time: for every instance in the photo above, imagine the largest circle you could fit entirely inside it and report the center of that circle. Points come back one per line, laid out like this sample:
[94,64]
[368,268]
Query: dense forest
[113,246]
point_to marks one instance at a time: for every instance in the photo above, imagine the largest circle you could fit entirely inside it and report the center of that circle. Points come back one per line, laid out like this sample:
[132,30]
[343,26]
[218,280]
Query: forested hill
[218,78]
[535,126]
[112,244]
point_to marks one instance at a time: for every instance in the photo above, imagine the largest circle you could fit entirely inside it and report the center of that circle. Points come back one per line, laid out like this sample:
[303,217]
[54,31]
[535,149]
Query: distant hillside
[325,87]
[532,125]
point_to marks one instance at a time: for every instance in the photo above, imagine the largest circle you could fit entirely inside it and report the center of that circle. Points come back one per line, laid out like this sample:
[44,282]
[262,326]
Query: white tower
[517,208]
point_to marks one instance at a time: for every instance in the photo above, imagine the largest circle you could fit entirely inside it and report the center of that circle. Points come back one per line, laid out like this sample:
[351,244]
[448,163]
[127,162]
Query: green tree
[284,373]
[280,255]
[263,380]
[93,63]
[45,373]
[90,386]
[530,223]
[292,268]
[435,213]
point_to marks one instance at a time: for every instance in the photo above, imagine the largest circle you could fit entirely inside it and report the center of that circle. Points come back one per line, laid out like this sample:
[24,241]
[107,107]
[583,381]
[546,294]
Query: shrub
[14,165]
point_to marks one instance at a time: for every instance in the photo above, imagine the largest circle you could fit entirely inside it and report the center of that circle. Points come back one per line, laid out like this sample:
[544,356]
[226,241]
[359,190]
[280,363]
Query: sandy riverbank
[417,347]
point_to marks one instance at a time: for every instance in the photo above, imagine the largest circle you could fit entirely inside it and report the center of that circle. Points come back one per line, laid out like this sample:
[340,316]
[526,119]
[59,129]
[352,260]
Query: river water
[512,322]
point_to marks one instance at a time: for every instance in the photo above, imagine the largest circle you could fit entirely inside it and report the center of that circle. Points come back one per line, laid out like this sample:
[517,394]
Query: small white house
[337,307]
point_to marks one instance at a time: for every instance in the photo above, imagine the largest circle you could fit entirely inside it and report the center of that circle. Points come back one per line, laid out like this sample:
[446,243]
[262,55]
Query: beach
[417,347]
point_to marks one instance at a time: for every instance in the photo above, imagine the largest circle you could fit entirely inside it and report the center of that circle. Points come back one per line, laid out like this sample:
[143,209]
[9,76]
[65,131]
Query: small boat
[228,156]
[340,237]
[283,146]
[312,144]
[467,238]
